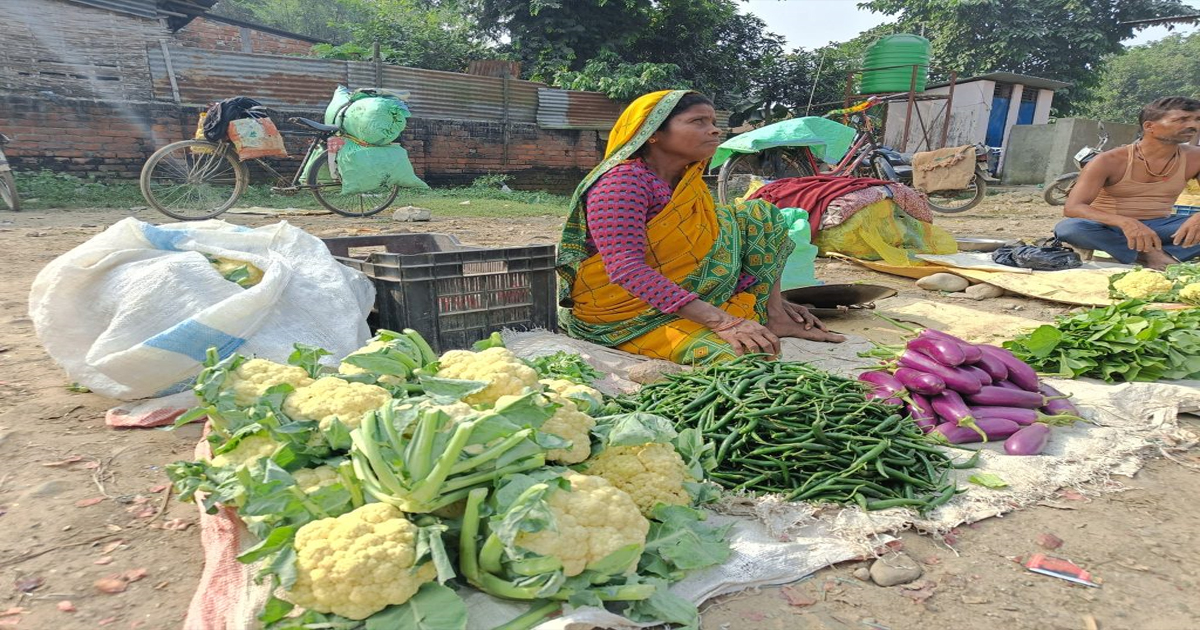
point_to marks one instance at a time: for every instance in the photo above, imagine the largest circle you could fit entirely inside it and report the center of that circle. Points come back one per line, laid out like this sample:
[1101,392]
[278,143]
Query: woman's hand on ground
[802,315]
[749,337]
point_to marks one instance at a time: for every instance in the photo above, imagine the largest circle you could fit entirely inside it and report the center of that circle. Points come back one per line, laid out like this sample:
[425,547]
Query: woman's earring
[653,140]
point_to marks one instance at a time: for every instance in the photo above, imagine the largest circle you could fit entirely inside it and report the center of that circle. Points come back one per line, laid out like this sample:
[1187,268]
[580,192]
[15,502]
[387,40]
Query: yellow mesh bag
[882,231]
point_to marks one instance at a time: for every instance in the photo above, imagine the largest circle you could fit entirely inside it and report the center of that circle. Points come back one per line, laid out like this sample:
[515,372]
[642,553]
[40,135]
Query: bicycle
[865,158]
[192,180]
[8,186]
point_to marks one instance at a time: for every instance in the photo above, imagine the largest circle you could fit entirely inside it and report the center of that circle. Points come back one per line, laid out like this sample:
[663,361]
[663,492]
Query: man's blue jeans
[1092,235]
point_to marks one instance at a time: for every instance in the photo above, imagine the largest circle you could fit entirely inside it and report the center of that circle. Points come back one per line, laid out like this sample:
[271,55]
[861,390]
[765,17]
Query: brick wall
[75,50]
[112,140]
[213,35]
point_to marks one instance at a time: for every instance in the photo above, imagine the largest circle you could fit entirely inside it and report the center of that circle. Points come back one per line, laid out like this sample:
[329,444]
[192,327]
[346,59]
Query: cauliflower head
[330,397]
[585,398]
[649,473]
[1190,294]
[253,378]
[358,563]
[251,449]
[309,480]
[571,424]
[505,374]
[1143,283]
[592,521]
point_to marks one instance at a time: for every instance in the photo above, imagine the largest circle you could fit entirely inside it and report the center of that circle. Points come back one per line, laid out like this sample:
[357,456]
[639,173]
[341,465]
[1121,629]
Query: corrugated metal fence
[193,76]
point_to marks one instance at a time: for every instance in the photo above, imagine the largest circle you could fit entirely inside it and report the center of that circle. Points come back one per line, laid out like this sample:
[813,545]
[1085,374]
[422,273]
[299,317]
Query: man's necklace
[1167,168]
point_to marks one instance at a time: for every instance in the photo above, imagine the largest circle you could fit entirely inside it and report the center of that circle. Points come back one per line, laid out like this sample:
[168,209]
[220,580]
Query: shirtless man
[1122,203]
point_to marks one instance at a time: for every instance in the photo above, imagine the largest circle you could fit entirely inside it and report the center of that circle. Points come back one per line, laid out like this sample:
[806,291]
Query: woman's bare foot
[784,326]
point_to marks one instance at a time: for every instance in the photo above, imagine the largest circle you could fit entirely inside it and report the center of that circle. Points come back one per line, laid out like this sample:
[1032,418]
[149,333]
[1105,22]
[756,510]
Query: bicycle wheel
[329,194]
[8,191]
[741,170]
[1056,194]
[193,180]
[955,201]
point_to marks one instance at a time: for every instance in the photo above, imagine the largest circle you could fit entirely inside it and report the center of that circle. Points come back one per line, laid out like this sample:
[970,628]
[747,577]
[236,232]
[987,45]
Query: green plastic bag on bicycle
[365,169]
[370,116]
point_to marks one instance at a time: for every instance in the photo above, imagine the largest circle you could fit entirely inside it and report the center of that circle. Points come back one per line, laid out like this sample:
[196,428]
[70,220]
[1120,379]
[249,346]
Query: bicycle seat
[315,125]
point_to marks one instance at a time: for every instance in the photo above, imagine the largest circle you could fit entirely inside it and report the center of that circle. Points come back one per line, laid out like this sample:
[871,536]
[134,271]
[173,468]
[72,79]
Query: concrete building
[984,110]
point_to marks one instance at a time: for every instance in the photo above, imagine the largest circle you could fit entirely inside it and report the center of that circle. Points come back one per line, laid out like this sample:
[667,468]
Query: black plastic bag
[1049,255]
[220,114]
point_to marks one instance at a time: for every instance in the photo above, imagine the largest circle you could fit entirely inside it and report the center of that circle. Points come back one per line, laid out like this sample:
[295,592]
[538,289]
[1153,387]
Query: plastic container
[888,64]
[452,294]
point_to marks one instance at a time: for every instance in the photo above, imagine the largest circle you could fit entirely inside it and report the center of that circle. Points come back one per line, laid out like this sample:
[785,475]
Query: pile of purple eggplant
[960,392]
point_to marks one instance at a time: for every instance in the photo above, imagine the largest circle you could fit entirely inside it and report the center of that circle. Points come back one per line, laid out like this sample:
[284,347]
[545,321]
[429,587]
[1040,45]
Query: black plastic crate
[452,294]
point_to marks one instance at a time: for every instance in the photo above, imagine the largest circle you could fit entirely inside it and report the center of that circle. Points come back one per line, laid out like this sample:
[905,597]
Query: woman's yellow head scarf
[632,119]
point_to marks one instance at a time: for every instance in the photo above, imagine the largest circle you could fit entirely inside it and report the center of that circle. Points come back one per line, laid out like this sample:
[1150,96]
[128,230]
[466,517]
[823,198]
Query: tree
[1167,67]
[327,21]
[718,50]
[1056,39]
[417,33]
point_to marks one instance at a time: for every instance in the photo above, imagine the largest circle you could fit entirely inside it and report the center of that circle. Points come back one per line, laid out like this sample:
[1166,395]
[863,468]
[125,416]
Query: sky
[814,23]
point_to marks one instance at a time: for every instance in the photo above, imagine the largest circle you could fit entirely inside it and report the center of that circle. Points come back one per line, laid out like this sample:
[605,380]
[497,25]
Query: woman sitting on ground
[651,265]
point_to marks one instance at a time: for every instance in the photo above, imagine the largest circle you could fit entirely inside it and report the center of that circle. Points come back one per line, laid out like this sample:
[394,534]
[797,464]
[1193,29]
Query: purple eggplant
[1019,373]
[997,428]
[949,407]
[1058,404]
[993,396]
[920,382]
[979,373]
[1024,416]
[921,411]
[882,380]
[941,350]
[1030,440]
[993,366]
[952,377]
[1006,385]
[955,434]
[971,353]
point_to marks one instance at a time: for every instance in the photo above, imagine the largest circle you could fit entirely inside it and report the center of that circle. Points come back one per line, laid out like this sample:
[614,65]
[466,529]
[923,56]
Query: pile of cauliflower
[355,558]
[1178,283]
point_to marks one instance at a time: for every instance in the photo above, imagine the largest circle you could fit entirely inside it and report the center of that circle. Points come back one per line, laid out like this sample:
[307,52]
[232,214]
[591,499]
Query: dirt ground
[80,502]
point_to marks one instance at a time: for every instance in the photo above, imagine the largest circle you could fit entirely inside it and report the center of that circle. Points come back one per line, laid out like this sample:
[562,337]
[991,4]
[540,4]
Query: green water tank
[888,62]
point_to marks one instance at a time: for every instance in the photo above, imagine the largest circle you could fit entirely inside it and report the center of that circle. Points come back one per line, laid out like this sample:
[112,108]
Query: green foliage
[417,33]
[491,180]
[1056,39]
[620,80]
[567,366]
[328,21]
[1169,66]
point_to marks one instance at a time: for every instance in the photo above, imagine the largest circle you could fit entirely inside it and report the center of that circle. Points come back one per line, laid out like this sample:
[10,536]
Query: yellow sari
[702,247]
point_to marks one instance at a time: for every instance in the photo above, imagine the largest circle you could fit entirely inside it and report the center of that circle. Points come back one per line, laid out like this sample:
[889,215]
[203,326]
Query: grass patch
[45,190]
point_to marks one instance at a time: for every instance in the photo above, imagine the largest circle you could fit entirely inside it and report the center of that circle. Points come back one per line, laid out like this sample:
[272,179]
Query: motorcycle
[8,187]
[1057,192]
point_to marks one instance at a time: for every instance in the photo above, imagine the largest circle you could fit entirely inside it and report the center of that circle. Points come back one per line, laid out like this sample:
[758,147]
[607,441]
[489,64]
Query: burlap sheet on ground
[776,542]
[943,169]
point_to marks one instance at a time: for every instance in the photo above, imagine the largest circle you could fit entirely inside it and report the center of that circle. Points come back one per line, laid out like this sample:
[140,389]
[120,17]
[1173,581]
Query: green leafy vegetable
[1124,342]
[567,366]
[988,480]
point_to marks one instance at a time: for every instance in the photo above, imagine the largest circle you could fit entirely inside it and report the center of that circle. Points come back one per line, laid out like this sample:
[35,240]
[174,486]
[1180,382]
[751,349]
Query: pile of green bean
[792,429]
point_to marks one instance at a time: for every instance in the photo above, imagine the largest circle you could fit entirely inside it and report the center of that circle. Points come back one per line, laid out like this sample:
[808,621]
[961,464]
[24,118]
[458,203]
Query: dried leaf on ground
[1048,541]
[112,546]
[106,621]
[28,584]
[64,462]
[133,575]
[15,610]
[66,606]
[176,524]
[159,488]
[110,585]
[919,591]
[796,597]
[103,560]
[88,502]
